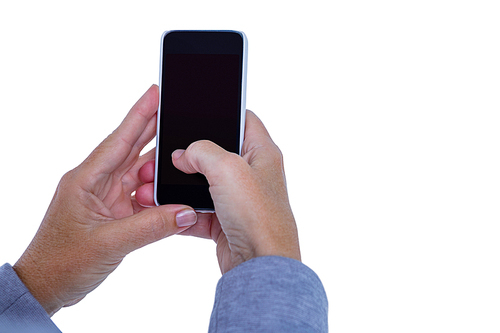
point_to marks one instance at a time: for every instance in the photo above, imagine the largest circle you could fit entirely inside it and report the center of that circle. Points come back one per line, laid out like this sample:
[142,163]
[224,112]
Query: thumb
[148,226]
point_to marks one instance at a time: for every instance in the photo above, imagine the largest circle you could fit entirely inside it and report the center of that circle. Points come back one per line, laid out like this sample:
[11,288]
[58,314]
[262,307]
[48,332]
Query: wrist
[266,248]
[281,242]
[288,251]
[37,284]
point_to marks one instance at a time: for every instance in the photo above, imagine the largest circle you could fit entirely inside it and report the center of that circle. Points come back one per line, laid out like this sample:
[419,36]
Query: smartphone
[202,97]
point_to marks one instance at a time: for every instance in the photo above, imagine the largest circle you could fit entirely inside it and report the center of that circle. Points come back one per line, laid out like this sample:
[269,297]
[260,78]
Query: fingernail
[177,153]
[185,218]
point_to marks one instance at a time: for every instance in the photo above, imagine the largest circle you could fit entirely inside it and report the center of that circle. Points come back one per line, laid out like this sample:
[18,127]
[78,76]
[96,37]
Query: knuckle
[73,180]
[159,227]
[275,157]
[67,177]
[278,154]
[231,161]
[67,180]
[233,166]
[199,147]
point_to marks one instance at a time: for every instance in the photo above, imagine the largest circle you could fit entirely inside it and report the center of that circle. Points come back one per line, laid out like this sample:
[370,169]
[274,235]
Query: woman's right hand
[252,216]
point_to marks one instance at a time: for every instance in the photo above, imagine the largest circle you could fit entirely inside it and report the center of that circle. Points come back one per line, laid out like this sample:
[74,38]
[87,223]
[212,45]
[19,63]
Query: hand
[93,220]
[253,216]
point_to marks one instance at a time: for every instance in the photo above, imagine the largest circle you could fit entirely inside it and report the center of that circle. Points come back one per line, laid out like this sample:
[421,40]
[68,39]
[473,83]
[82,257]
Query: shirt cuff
[270,294]
[19,310]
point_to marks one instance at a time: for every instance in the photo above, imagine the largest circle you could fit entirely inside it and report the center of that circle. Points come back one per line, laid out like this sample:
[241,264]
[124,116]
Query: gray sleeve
[20,312]
[270,294]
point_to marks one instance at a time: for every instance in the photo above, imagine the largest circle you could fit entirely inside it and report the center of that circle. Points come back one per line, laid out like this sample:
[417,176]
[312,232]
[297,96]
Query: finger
[136,206]
[259,150]
[147,226]
[136,121]
[204,156]
[147,172]
[132,180]
[145,195]
[208,159]
[203,226]
[133,153]
[256,133]
[122,147]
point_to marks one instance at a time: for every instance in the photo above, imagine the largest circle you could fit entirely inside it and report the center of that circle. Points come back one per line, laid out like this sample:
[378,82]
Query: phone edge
[158,119]
[242,106]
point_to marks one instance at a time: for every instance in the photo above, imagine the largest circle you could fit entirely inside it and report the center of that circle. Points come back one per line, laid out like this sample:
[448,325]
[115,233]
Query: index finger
[135,131]
[257,138]
[136,121]
[256,133]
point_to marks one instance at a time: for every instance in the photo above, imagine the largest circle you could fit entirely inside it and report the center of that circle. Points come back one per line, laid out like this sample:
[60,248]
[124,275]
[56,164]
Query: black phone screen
[200,99]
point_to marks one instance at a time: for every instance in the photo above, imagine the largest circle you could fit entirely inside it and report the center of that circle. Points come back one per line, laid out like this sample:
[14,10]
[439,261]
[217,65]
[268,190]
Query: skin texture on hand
[93,221]
[253,216]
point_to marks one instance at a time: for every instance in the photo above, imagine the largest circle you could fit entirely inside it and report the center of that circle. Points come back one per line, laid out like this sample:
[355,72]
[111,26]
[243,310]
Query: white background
[387,113]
